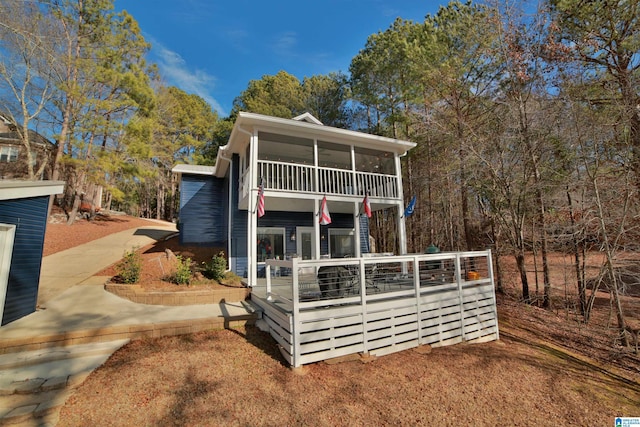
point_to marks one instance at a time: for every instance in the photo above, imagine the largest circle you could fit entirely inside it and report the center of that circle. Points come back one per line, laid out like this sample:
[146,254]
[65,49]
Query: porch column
[316,226]
[356,223]
[402,232]
[252,218]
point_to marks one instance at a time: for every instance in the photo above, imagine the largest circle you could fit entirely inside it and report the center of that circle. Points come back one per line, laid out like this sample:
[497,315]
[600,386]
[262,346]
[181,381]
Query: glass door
[305,243]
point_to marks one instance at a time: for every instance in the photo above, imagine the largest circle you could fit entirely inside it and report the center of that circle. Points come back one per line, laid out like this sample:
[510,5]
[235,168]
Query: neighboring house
[298,162]
[23,221]
[13,153]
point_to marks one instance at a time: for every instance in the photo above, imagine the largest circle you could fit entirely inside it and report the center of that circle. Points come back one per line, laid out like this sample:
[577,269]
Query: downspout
[252,220]
[229,205]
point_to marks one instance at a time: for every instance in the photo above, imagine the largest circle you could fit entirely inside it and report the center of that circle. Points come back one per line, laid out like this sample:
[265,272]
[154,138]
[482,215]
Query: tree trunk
[608,250]
[522,268]
[496,252]
[160,201]
[107,201]
[77,199]
[582,288]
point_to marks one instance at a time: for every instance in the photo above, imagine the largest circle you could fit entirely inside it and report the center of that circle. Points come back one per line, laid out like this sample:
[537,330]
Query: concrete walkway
[78,325]
[72,267]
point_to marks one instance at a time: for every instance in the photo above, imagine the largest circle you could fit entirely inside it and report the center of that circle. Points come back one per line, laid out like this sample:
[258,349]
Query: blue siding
[203,218]
[291,220]
[29,215]
[288,220]
[364,234]
[238,244]
[204,213]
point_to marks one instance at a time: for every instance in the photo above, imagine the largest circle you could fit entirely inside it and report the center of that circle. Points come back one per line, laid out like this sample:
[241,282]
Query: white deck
[383,309]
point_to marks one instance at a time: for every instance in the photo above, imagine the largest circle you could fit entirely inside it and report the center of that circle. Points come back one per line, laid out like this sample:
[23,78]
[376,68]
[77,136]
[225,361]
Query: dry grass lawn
[548,369]
[237,378]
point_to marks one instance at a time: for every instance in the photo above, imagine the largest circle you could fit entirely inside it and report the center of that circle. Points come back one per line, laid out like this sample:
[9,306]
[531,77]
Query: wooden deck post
[416,285]
[295,315]
[495,304]
[363,305]
[459,281]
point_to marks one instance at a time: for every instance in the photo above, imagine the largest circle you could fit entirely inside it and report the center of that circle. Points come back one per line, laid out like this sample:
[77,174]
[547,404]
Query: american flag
[260,200]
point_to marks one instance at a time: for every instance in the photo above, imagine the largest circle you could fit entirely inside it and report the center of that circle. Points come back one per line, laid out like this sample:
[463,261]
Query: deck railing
[302,178]
[377,305]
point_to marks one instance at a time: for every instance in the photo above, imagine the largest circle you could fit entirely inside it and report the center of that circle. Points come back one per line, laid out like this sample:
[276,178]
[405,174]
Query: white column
[316,226]
[356,223]
[402,232]
[354,176]
[252,218]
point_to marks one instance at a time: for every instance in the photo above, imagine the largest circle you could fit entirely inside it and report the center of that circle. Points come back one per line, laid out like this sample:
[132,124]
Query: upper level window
[9,154]
[284,148]
[374,161]
[334,155]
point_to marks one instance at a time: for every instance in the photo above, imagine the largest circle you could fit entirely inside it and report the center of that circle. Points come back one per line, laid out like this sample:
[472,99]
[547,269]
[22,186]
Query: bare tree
[26,81]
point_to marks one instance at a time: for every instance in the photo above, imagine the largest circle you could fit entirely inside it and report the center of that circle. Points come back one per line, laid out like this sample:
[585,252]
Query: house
[13,154]
[298,163]
[23,219]
[289,200]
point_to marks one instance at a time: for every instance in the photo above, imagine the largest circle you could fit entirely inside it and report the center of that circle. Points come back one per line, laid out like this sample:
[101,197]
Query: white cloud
[177,73]
[285,44]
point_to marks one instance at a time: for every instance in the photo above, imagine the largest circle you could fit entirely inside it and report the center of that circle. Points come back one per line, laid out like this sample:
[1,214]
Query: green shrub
[216,268]
[232,279]
[130,268]
[182,276]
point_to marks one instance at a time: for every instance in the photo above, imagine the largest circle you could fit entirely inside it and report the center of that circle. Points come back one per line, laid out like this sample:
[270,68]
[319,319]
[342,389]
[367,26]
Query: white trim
[356,227]
[308,117]
[365,139]
[311,231]
[24,189]
[252,250]
[230,209]
[7,235]
[194,170]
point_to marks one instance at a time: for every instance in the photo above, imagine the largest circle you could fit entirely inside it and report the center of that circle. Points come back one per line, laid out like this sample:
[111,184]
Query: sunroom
[291,166]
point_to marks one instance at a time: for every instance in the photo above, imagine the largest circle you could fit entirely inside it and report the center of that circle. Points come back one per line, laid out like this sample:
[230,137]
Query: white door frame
[7,235]
[299,232]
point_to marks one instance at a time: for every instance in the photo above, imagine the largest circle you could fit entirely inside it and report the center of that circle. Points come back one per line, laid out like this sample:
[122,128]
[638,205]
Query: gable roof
[304,125]
[308,117]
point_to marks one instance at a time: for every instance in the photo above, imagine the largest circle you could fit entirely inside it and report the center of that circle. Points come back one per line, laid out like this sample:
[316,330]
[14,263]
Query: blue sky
[213,48]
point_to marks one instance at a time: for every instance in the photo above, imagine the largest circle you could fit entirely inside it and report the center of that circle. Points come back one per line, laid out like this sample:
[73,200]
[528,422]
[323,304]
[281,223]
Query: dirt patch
[237,377]
[156,265]
[160,261]
[60,236]
[548,369]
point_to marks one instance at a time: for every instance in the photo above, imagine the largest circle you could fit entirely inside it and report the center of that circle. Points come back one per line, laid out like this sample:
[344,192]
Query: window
[374,161]
[9,154]
[270,243]
[284,148]
[342,243]
[334,155]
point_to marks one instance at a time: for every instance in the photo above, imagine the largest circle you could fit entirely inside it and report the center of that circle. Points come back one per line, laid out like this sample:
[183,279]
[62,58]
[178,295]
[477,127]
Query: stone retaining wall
[138,295]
